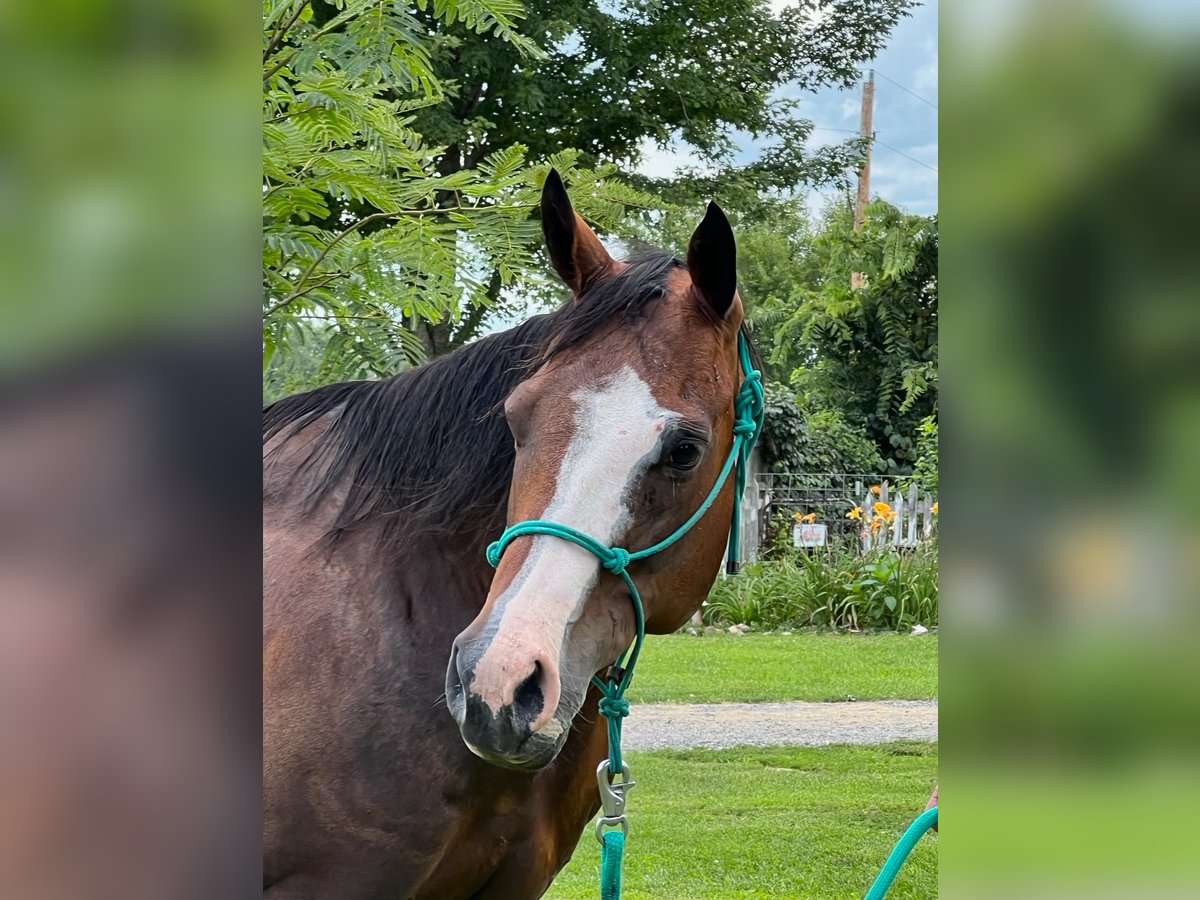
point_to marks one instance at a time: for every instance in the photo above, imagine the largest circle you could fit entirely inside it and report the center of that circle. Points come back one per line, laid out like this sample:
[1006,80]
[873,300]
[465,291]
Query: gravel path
[663,726]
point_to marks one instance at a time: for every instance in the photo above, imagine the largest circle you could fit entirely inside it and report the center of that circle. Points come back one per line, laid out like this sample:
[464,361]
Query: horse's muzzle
[506,724]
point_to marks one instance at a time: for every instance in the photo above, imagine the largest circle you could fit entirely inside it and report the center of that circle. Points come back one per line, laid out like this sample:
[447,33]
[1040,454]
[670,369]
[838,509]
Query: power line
[906,156]
[906,90]
[880,143]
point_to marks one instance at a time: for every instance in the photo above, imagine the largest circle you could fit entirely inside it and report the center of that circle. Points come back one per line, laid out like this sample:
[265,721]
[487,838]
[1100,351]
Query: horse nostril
[528,699]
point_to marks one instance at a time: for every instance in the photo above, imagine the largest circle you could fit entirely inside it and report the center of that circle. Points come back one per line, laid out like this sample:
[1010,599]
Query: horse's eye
[684,455]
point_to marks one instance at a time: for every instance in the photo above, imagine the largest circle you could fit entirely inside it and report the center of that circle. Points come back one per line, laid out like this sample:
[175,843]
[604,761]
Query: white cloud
[925,81]
[903,182]
[926,153]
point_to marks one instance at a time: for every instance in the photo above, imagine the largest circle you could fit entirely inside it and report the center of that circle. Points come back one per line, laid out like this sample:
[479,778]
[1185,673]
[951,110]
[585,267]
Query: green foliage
[833,587]
[301,367]
[869,353]
[618,78]
[800,441]
[925,471]
[364,236]
[862,365]
[617,75]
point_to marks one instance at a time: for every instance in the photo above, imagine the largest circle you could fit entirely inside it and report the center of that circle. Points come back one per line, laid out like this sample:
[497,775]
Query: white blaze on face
[617,426]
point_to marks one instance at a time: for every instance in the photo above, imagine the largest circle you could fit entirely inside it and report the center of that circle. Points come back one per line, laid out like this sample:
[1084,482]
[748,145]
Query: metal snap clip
[612,799]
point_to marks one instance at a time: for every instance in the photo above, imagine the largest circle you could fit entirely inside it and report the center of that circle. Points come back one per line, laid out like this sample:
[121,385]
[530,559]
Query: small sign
[808,535]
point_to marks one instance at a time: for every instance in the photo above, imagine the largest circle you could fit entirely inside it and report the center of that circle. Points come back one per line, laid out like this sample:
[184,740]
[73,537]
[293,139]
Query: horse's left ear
[712,261]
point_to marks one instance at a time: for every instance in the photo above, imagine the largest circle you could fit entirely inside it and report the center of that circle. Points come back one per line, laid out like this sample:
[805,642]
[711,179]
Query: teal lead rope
[899,854]
[748,417]
[612,847]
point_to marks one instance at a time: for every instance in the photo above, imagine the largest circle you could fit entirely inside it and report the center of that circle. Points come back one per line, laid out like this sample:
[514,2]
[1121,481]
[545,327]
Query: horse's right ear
[575,251]
[712,261]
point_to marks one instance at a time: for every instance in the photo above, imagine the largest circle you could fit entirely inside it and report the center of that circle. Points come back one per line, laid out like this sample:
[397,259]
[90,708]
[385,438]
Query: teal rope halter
[748,418]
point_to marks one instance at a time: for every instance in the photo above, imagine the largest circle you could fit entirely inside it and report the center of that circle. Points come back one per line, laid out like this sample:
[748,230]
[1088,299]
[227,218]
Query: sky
[905,156]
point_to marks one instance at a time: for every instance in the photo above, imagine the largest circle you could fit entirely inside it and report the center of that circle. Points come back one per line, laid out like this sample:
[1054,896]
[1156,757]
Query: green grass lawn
[797,823]
[680,668]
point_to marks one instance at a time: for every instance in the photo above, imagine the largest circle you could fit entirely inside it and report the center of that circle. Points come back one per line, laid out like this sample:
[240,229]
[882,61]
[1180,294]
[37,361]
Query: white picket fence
[913,522]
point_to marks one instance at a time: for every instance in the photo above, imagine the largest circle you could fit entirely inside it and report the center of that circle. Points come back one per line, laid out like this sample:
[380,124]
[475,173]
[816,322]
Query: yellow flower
[883,509]
[875,523]
[875,489]
[855,513]
[890,515]
[933,509]
[809,519]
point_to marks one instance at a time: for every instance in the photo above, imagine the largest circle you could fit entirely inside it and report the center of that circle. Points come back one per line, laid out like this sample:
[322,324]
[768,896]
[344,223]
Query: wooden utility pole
[864,174]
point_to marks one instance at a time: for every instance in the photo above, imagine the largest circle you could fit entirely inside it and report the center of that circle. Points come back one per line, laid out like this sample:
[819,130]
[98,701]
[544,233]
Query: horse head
[621,430]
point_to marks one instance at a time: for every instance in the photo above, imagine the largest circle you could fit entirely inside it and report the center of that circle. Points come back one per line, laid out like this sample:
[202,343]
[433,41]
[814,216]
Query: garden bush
[797,439]
[832,587]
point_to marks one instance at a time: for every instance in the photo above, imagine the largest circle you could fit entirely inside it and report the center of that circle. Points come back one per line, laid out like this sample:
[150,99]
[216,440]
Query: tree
[404,145]
[362,232]
[870,353]
[613,76]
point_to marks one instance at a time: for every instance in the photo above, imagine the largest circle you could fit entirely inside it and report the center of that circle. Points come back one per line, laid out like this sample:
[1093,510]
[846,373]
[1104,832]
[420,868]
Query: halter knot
[494,552]
[614,707]
[617,560]
[745,426]
[748,405]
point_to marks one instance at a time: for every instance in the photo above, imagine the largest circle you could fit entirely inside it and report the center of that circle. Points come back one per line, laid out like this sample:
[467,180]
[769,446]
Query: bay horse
[429,731]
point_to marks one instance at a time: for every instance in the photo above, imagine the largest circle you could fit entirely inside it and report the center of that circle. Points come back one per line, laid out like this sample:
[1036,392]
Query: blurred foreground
[129,631]
[1070,718]
[129,551]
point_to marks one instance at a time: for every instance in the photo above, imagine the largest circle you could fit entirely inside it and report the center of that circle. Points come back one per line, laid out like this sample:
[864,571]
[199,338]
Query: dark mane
[429,449]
